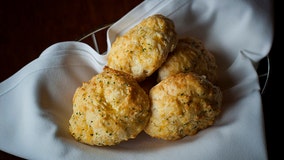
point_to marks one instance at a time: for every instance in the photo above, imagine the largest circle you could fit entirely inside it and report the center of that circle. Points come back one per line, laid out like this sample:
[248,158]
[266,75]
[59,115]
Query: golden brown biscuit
[109,109]
[143,49]
[190,55]
[182,105]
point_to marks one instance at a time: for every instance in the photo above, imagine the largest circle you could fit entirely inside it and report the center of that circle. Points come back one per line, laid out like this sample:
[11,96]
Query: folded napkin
[36,102]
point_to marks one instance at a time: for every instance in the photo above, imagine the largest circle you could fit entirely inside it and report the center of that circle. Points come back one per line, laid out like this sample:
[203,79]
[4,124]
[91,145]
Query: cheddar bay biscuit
[109,109]
[182,105]
[190,55]
[143,49]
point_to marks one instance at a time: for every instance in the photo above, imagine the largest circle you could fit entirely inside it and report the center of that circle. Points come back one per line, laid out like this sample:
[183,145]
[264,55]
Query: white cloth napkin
[36,102]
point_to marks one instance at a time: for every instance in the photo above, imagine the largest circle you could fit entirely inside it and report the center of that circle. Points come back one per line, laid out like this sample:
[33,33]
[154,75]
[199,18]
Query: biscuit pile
[181,99]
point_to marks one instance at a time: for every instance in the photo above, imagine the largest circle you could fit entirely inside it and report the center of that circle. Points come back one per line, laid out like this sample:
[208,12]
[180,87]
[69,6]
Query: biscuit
[190,55]
[108,109]
[182,105]
[143,49]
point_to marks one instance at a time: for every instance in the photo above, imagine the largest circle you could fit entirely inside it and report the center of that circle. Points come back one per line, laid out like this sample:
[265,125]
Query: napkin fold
[36,102]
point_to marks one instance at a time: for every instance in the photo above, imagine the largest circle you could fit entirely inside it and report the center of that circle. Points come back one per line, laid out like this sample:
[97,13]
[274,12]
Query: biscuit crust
[190,55]
[182,105]
[143,49]
[108,109]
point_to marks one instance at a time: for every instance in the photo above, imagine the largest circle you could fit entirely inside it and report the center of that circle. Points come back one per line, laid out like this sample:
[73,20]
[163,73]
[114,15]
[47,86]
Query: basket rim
[264,61]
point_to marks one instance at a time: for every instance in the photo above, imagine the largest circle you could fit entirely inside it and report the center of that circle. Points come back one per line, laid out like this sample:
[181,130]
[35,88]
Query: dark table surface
[28,27]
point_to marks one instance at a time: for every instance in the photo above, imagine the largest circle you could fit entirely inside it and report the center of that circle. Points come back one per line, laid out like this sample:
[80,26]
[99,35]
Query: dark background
[28,27]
